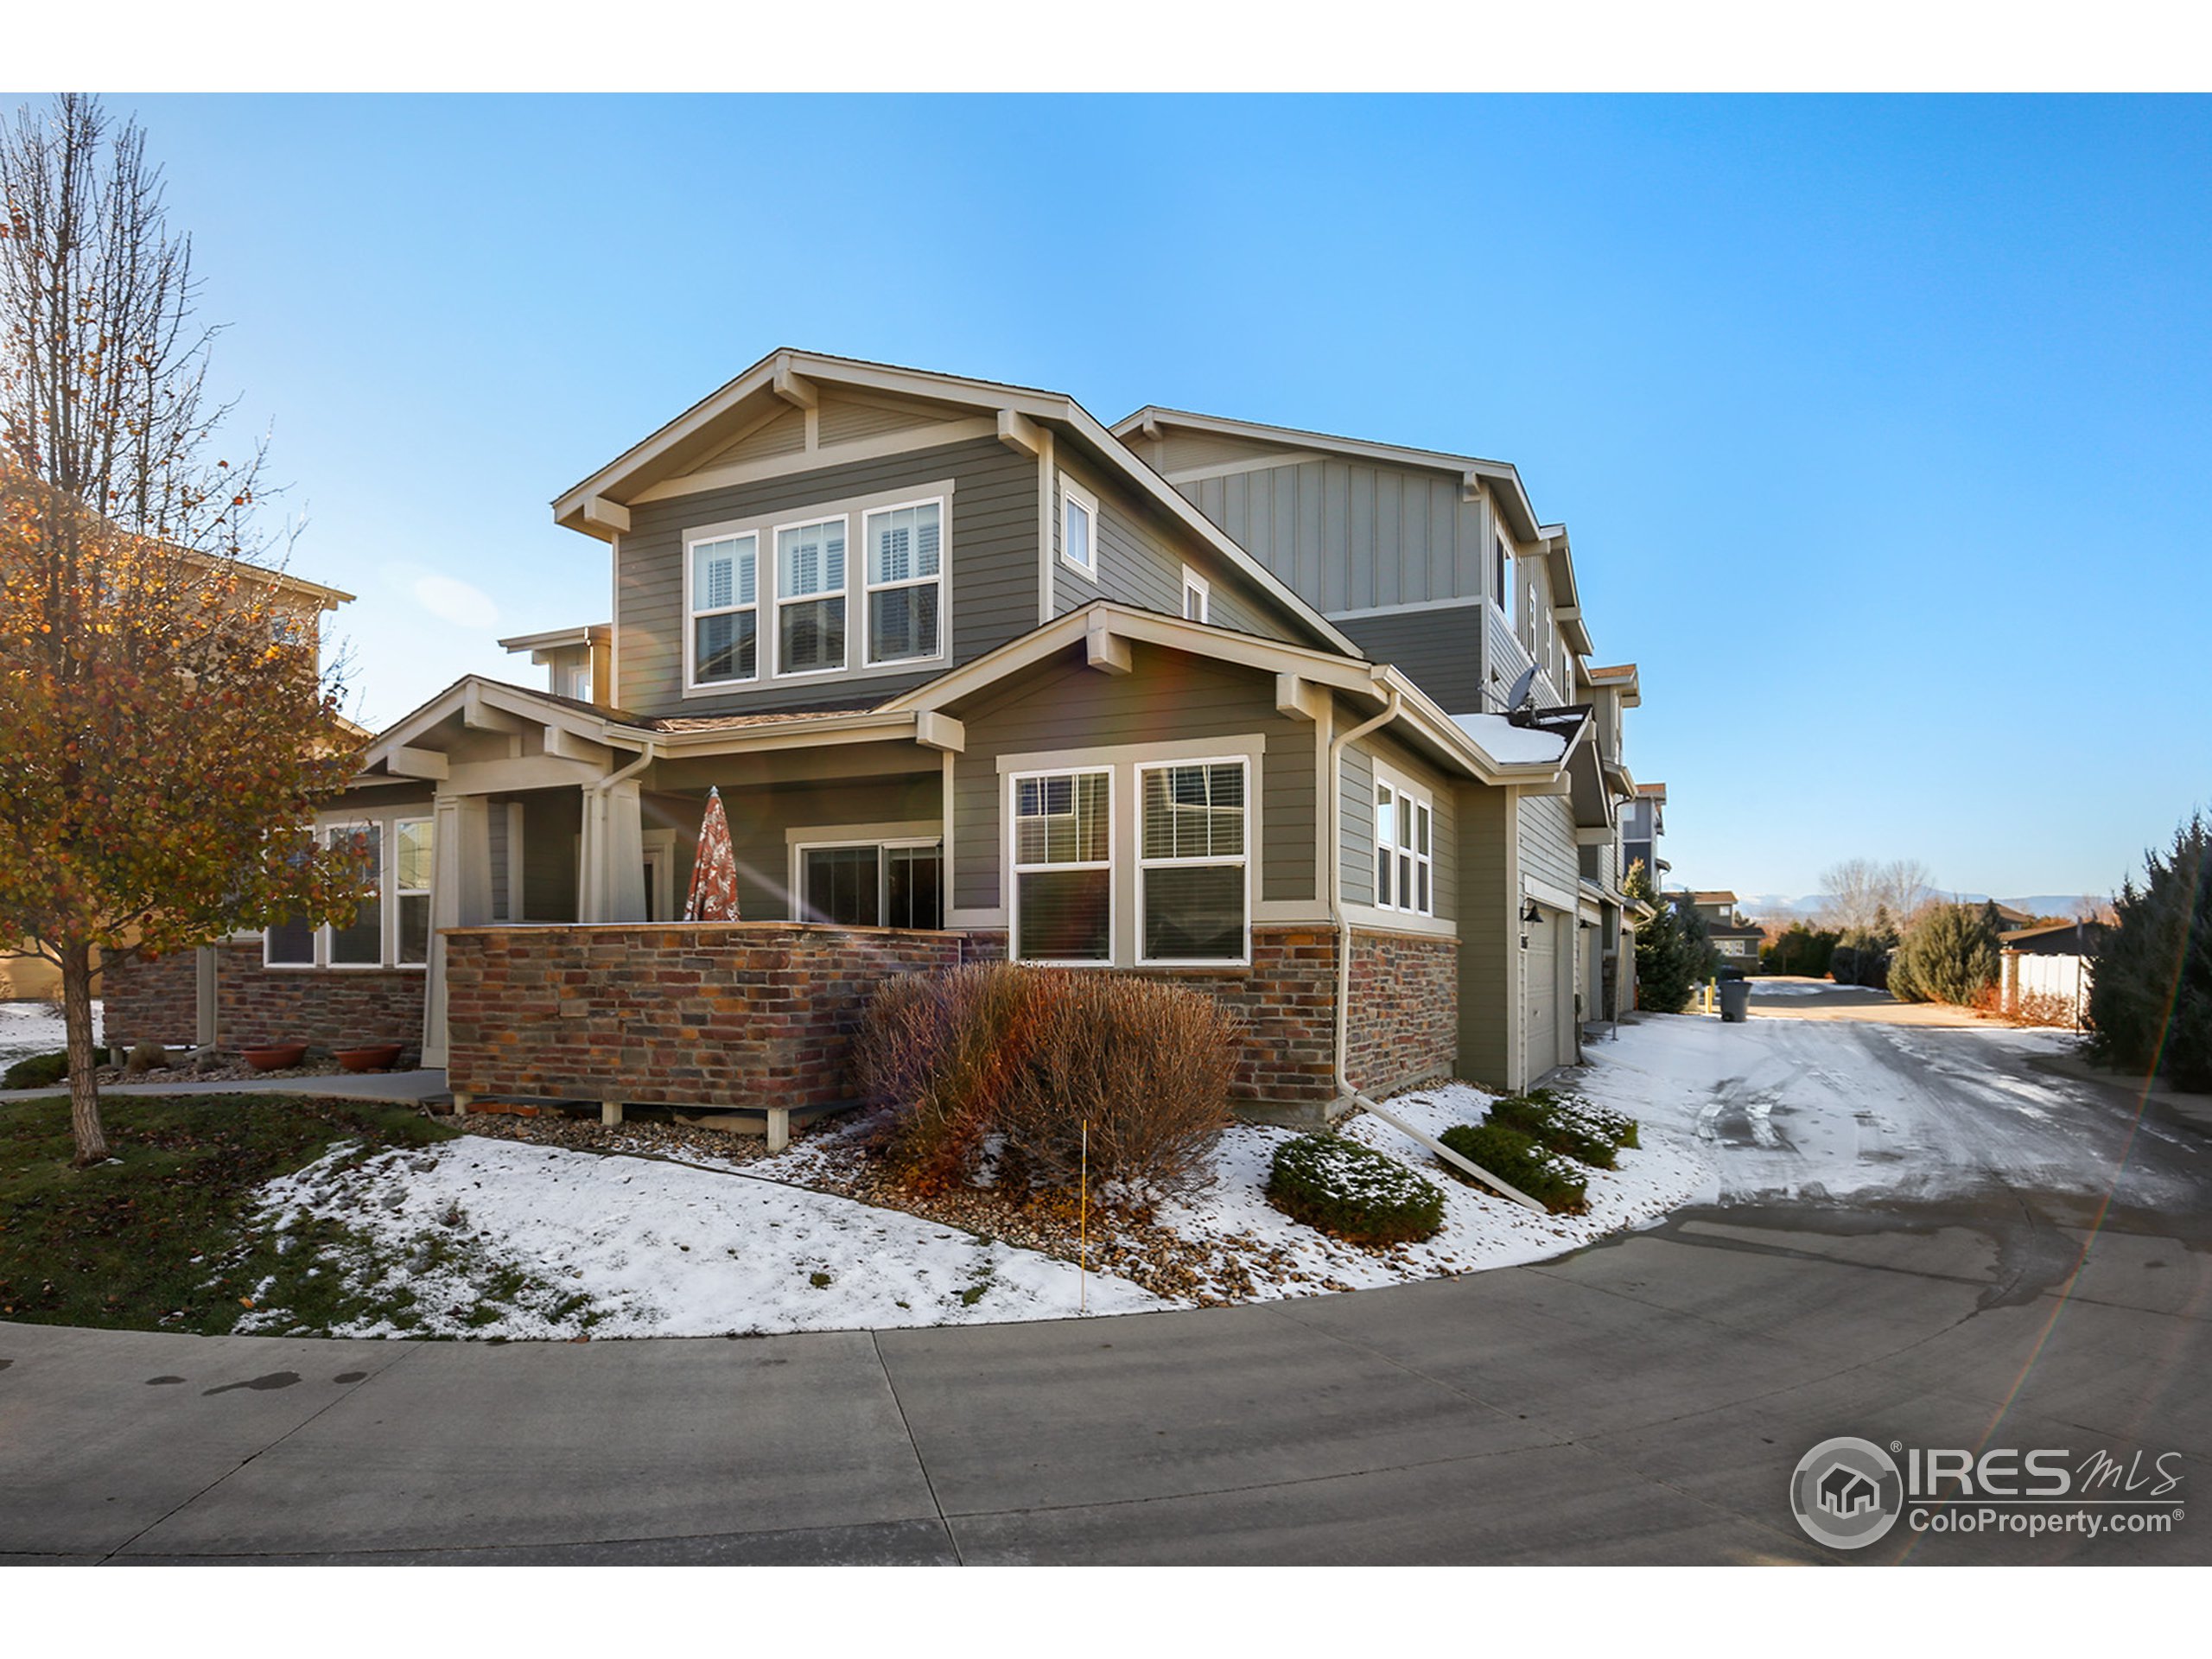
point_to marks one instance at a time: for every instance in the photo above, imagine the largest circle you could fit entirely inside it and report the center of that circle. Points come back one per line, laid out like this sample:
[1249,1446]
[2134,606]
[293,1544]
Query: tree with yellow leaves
[166,737]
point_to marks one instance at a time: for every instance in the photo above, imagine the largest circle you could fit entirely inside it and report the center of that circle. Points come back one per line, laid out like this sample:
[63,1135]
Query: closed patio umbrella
[713,872]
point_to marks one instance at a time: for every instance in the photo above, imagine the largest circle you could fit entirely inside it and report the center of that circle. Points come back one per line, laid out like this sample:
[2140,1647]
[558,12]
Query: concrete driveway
[1644,1401]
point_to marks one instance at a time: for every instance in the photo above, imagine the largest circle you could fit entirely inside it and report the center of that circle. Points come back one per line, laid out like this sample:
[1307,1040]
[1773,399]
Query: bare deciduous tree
[1861,891]
[166,737]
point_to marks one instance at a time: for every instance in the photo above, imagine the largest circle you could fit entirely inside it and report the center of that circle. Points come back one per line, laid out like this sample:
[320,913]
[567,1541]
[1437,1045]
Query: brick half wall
[150,1001]
[1405,1010]
[748,1014]
[158,1001]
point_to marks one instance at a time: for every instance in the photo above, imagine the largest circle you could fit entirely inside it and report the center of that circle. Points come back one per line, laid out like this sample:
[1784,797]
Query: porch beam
[934,730]
[1104,650]
[479,715]
[565,745]
[531,772]
[1020,433]
[417,763]
[1298,699]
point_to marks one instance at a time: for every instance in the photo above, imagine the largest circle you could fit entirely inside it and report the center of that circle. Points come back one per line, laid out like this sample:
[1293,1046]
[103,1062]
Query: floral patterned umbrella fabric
[713,872]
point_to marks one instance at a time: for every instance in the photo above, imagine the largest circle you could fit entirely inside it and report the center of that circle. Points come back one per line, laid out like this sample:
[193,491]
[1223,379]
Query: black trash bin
[1735,1000]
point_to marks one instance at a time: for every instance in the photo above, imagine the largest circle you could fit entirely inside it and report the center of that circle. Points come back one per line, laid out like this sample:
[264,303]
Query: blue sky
[1880,423]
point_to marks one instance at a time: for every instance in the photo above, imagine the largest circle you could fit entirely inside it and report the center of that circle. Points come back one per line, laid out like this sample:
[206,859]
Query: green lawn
[162,1239]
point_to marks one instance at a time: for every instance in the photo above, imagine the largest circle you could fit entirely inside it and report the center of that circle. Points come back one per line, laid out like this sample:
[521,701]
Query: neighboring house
[1734,938]
[978,678]
[1643,821]
[298,611]
[2044,972]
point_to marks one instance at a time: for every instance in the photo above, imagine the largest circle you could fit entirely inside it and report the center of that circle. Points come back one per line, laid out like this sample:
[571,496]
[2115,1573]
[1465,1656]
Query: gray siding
[1441,649]
[991,559]
[1504,656]
[552,819]
[1348,535]
[1167,696]
[1490,965]
[1141,559]
[1547,832]
[1358,847]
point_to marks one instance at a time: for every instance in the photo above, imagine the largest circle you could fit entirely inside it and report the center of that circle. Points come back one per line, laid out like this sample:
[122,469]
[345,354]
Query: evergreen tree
[1947,955]
[2150,998]
[1670,961]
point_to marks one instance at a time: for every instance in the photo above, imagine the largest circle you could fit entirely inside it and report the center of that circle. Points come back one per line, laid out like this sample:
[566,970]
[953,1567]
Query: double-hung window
[391,926]
[1063,867]
[1405,855]
[725,609]
[906,580]
[811,597]
[1078,527]
[1198,597]
[1192,863]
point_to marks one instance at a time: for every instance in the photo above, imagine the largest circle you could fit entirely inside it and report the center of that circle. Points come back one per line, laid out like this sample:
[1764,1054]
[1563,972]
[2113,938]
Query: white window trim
[769,596]
[1195,583]
[389,893]
[1404,791]
[778,599]
[1016,870]
[1072,492]
[694,538]
[1243,763]
[869,589]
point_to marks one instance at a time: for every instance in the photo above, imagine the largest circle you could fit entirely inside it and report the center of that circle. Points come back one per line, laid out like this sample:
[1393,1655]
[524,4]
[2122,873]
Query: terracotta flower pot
[377,1057]
[276,1058]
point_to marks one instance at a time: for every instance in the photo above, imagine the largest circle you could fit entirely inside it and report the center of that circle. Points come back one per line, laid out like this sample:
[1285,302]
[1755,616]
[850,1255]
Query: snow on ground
[1809,1108]
[1796,987]
[1480,1229]
[501,1238]
[28,1028]
[661,1249]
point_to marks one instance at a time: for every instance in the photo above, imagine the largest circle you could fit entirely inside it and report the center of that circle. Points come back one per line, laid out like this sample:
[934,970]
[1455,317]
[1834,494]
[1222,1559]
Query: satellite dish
[1524,694]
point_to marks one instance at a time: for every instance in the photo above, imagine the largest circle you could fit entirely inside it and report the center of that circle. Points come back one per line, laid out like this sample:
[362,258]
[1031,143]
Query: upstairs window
[1198,597]
[725,610]
[905,581]
[1063,867]
[811,597]
[1079,527]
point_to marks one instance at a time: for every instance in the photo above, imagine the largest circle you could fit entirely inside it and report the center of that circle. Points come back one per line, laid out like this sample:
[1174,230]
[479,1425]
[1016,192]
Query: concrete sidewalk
[1641,1401]
[348,1085]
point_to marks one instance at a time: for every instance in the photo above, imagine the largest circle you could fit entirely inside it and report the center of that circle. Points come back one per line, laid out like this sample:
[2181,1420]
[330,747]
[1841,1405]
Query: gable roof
[789,375]
[1501,478]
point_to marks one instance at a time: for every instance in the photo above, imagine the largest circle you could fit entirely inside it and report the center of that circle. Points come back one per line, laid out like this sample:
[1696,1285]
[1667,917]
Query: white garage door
[1541,1018]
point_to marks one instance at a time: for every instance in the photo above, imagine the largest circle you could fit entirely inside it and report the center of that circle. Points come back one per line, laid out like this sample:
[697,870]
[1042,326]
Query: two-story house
[1734,938]
[977,676]
[1643,820]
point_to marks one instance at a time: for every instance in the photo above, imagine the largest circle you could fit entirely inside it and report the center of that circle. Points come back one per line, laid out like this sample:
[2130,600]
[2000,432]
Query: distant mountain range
[1811,904]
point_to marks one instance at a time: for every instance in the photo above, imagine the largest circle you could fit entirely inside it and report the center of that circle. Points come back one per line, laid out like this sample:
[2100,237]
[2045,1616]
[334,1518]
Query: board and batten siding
[1141,560]
[1168,696]
[1356,843]
[990,562]
[1350,536]
[1440,647]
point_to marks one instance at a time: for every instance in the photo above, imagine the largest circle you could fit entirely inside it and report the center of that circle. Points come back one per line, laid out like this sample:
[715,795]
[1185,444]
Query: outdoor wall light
[1531,911]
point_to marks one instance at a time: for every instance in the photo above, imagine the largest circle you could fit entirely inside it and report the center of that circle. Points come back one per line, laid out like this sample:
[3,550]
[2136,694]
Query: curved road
[1642,1401]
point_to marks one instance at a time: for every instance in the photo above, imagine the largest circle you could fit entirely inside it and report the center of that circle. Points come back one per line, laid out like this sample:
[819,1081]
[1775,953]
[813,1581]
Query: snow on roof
[1511,745]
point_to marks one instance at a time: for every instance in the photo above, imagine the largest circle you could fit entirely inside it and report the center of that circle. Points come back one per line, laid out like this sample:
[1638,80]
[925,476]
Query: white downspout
[1342,923]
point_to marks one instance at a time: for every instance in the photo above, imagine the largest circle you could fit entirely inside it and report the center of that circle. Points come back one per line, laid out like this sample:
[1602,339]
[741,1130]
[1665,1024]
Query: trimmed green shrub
[1553,1181]
[1567,1124]
[37,1071]
[1024,1057]
[1353,1192]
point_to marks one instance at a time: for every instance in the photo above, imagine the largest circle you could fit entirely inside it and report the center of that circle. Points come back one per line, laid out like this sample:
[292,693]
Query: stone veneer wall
[158,1001]
[1404,1010]
[737,1014]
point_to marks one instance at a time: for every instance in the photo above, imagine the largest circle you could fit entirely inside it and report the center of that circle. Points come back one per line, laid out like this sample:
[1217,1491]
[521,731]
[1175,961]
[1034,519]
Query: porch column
[461,896]
[614,856]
